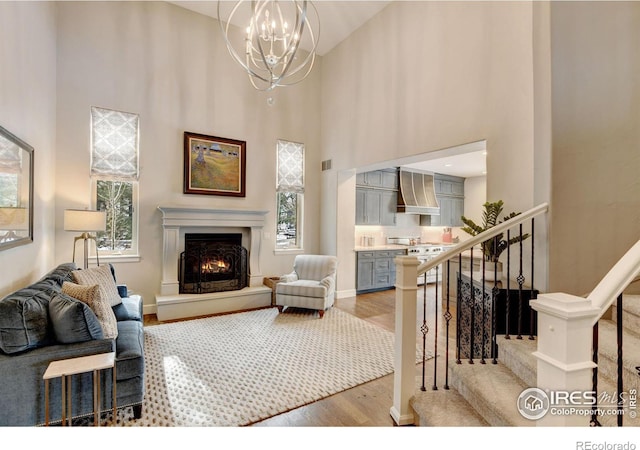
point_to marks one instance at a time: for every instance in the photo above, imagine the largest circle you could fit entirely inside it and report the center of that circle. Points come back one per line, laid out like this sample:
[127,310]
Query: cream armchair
[311,285]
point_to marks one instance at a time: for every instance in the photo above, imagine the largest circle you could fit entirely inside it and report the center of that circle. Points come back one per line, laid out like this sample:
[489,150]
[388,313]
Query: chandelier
[273,34]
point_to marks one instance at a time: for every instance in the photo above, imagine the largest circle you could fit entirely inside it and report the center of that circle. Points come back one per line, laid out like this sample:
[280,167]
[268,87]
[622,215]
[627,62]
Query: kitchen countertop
[398,246]
[374,248]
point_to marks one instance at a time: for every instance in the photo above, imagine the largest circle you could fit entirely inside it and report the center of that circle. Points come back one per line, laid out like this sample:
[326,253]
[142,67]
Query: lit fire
[214,266]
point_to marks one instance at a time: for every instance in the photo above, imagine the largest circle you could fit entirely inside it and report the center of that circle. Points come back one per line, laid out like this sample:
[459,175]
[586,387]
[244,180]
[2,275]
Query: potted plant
[492,248]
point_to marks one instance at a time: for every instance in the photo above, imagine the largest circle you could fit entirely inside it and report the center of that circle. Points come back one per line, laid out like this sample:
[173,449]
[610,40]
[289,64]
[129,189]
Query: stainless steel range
[424,252]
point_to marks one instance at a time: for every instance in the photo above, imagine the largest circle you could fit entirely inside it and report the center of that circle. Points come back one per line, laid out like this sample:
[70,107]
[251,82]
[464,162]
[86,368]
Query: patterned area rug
[238,369]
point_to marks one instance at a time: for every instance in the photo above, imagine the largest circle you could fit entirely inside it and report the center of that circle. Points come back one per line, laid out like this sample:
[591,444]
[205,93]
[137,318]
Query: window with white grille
[290,194]
[114,178]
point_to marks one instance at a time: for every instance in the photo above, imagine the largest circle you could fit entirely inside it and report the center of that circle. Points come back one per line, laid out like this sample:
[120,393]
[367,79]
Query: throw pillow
[73,320]
[103,277]
[91,295]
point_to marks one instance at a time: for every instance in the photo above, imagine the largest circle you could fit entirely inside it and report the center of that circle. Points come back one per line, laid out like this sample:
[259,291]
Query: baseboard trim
[346,293]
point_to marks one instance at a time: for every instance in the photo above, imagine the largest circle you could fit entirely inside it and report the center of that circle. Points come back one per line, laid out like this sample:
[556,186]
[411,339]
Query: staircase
[486,394]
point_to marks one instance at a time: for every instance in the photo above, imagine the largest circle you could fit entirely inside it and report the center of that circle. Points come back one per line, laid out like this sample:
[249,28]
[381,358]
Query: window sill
[288,251]
[116,259]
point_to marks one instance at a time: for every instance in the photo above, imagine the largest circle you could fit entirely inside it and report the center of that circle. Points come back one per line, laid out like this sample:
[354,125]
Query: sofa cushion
[92,296]
[61,274]
[24,320]
[103,277]
[129,309]
[129,350]
[73,320]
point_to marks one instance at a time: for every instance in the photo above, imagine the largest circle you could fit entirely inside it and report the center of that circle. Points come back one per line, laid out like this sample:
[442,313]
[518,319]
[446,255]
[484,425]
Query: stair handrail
[621,275]
[482,237]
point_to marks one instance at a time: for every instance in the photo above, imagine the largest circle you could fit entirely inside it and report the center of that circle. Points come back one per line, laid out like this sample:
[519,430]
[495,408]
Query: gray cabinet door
[376,269]
[365,278]
[368,206]
[389,207]
[360,206]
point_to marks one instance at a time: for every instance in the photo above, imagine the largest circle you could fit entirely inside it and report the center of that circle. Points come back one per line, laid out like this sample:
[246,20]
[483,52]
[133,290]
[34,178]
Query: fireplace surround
[180,221]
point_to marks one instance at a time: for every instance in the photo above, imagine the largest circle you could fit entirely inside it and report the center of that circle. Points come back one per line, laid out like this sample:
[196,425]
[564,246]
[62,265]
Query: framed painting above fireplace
[214,165]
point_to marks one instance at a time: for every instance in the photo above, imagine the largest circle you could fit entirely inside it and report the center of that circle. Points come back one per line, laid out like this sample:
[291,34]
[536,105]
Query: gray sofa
[28,344]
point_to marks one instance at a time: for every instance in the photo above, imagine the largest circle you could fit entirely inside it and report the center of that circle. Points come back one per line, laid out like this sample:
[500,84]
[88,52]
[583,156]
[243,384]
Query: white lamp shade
[14,219]
[84,220]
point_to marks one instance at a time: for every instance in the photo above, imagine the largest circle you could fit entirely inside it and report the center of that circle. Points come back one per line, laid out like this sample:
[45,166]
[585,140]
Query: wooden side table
[65,368]
[271,283]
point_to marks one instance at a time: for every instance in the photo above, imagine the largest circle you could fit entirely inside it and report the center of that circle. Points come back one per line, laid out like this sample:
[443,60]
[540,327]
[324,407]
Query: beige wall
[171,66]
[596,139]
[27,109]
[422,76]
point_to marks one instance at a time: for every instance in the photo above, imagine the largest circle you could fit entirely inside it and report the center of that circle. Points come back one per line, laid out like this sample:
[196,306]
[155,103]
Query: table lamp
[13,219]
[86,221]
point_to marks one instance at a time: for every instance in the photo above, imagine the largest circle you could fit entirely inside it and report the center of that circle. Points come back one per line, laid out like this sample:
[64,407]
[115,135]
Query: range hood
[417,193]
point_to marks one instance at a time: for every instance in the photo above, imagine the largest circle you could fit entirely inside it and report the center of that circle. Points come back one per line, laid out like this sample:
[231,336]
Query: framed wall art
[214,165]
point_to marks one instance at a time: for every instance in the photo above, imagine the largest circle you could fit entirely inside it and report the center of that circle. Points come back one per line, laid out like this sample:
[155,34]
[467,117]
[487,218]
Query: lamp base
[85,237]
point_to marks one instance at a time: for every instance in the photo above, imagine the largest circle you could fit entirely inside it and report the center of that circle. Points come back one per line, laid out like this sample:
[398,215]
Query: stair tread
[445,408]
[493,389]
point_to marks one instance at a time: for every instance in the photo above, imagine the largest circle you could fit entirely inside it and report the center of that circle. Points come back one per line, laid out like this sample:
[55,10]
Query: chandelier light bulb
[272,56]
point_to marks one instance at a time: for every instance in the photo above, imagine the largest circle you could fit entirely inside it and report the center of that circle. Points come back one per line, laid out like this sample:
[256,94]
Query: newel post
[404,378]
[565,363]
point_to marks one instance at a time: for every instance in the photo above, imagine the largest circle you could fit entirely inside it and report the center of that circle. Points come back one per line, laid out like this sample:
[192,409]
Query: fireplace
[212,262]
[178,222]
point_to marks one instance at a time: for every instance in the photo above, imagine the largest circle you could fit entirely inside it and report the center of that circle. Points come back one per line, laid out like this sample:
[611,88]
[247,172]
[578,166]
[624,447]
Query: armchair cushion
[302,288]
[288,278]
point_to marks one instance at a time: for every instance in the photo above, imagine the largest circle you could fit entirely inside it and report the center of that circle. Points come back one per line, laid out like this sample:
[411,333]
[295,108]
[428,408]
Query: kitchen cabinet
[376,269]
[383,179]
[376,197]
[450,195]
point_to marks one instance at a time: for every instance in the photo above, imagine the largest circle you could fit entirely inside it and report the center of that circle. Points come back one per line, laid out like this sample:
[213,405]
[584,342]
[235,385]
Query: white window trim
[118,256]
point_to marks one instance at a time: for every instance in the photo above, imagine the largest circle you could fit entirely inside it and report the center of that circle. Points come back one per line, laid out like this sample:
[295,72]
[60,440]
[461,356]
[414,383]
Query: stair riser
[609,369]
[479,404]
[515,362]
[630,322]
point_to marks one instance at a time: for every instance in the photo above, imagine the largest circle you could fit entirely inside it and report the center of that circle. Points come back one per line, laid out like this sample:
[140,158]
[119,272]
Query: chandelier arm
[234,54]
[261,61]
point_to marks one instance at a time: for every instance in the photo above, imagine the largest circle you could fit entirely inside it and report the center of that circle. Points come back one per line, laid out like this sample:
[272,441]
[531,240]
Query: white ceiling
[466,165]
[338,19]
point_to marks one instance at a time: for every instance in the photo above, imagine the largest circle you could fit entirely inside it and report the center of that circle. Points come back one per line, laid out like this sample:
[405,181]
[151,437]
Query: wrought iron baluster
[473,313]
[533,294]
[425,329]
[508,299]
[483,340]
[458,308]
[594,416]
[435,340]
[494,314]
[520,280]
[620,367]
[447,318]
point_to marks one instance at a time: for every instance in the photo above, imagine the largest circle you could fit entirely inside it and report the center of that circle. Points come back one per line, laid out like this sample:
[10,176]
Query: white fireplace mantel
[175,218]
[178,220]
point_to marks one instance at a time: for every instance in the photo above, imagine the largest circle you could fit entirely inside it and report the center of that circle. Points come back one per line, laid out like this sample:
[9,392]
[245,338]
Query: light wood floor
[364,405]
